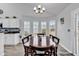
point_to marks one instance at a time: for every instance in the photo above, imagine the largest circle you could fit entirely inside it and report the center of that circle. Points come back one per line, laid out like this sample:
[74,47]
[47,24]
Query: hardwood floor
[19,51]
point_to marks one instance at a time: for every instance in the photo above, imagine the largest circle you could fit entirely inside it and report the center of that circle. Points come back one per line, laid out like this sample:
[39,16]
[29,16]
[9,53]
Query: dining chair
[40,34]
[56,41]
[26,41]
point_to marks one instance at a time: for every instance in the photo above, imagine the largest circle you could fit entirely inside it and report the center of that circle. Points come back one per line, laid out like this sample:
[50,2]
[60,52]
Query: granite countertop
[9,30]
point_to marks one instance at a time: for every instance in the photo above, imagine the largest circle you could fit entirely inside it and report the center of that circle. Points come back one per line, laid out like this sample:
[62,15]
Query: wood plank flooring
[19,51]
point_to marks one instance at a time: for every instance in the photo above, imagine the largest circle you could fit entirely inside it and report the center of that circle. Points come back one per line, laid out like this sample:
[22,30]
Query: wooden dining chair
[26,41]
[56,41]
[40,34]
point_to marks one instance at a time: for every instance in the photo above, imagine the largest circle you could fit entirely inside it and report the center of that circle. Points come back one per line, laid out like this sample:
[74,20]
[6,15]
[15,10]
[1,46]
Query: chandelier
[39,9]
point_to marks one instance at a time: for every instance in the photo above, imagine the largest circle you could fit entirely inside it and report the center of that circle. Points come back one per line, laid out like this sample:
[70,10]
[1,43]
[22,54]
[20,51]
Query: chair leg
[55,52]
[33,53]
[26,52]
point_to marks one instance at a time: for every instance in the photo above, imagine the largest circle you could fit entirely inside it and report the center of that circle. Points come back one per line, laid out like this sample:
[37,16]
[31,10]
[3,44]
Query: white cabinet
[1,20]
[1,44]
[5,22]
[11,39]
[14,23]
[11,23]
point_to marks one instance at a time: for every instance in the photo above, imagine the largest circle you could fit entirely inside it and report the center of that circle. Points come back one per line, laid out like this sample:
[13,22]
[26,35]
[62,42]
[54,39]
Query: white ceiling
[52,9]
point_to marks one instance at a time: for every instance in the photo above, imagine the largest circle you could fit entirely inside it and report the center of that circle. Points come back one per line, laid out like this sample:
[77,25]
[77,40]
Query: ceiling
[52,9]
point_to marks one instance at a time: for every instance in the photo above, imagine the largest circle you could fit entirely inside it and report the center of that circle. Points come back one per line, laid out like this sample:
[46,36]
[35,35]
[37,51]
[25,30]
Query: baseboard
[65,48]
[2,54]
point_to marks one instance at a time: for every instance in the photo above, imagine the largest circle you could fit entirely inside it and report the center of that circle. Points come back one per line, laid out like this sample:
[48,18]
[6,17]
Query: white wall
[66,39]
[9,10]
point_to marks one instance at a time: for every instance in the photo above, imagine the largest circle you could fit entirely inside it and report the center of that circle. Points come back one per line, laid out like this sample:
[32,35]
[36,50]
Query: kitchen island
[8,36]
[11,39]
[11,36]
[9,32]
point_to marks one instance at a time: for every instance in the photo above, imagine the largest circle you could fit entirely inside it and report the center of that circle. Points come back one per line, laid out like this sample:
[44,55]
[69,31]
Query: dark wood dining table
[40,42]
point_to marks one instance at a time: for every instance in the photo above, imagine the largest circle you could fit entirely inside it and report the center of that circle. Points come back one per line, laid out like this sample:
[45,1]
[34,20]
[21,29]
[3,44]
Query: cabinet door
[6,22]
[1,20]
[11,23]
[14,23]
[16,38]
[9,39]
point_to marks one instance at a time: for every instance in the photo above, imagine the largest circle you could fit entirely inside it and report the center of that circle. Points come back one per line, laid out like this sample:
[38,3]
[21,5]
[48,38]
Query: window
[27,26]
[52,26]
[35,27]
[43,27]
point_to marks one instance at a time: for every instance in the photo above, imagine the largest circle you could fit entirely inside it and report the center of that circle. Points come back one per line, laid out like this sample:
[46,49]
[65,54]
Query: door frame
[74,27]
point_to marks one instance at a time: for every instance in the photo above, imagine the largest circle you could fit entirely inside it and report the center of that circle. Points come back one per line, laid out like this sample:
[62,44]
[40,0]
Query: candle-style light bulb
[43,9]
[34,8]
[39,6]
[36,11]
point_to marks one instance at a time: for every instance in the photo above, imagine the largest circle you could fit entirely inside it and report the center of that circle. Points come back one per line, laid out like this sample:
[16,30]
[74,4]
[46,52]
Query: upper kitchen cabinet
[11,23]
[6,22]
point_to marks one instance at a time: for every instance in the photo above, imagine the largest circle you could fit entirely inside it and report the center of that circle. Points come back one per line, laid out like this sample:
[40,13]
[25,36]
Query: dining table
[40,42]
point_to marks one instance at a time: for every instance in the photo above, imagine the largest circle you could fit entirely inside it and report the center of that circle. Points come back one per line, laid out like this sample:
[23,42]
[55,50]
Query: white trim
[65,48]
[68,49]
[76,35]
[2,54]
